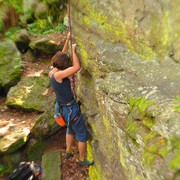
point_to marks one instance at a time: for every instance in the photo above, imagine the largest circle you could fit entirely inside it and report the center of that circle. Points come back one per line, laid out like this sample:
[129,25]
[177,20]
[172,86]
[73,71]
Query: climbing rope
[70,30]
[69,22]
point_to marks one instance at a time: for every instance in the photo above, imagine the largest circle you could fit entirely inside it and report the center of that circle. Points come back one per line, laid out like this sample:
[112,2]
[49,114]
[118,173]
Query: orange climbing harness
[70,30]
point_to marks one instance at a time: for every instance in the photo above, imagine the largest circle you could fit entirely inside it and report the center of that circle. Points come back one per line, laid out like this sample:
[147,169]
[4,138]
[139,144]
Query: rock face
[130,86]
[10,65]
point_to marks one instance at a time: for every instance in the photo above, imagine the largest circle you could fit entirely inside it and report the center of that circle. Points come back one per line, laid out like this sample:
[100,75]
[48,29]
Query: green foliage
[11,32]
[44,27]
[5,170]
[17,4]
[40,27]
[1,23]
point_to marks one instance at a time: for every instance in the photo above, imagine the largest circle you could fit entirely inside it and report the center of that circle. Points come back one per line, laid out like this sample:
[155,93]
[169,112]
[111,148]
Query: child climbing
[66,105]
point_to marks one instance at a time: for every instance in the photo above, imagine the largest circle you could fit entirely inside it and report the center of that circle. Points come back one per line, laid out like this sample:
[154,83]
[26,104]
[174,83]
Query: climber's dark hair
[60,60]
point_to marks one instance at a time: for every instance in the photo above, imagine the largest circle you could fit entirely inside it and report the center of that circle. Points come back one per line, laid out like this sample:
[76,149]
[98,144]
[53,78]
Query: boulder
[22,40]
[45,46]
[41,11]
[31,94]
[45,125]
[51,165]
[9,162]
[11,66]
[13,138]
[29,7]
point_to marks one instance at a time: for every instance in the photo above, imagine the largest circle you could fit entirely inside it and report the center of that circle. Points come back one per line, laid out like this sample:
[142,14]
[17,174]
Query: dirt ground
[70,168]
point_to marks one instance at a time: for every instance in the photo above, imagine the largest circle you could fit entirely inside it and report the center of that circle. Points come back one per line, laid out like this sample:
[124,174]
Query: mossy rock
[29,7]
[30,94]
[35,150]
[9,162]
[40,11]
[45,46]
[22,40]
[14,140]
[11,66]
[51,164]
[45,125]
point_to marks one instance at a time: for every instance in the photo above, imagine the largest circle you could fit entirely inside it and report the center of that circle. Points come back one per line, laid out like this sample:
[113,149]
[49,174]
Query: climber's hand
[74,47]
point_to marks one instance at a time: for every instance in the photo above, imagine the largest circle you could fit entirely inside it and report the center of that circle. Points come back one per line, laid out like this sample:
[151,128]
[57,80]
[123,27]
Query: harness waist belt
[68,104]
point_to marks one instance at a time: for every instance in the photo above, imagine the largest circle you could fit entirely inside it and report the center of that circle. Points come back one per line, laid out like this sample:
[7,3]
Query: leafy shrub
[17,4]
[11,32]
[43,27]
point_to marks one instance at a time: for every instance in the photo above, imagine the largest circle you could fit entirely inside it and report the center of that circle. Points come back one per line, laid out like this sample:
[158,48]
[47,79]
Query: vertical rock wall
[129,86]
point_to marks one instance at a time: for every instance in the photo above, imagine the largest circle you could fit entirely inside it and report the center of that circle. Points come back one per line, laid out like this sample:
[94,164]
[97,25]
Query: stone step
[51,166]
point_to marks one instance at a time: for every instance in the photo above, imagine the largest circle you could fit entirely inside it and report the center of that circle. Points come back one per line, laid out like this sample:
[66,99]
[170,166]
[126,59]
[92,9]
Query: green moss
[89,151]
[84,52]
[150,136]
[148,122]
[177,106]
[139,109]
[160,33]
[134,173]
[131,125]
[51,163]
[149,158]
[175,142]
[36,150]
[9,162]
[123,153]
[139,117]
[175,162]
[116,29]
[107,125]
[155,145]
[86,20]
[131,129]
[108,136]
[167,30]
[5,169]
[95,172]
[144,50]
[141,103]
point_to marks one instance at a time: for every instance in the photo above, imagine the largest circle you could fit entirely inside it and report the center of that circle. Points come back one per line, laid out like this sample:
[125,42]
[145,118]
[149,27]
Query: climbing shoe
[86,163]
[69,154]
